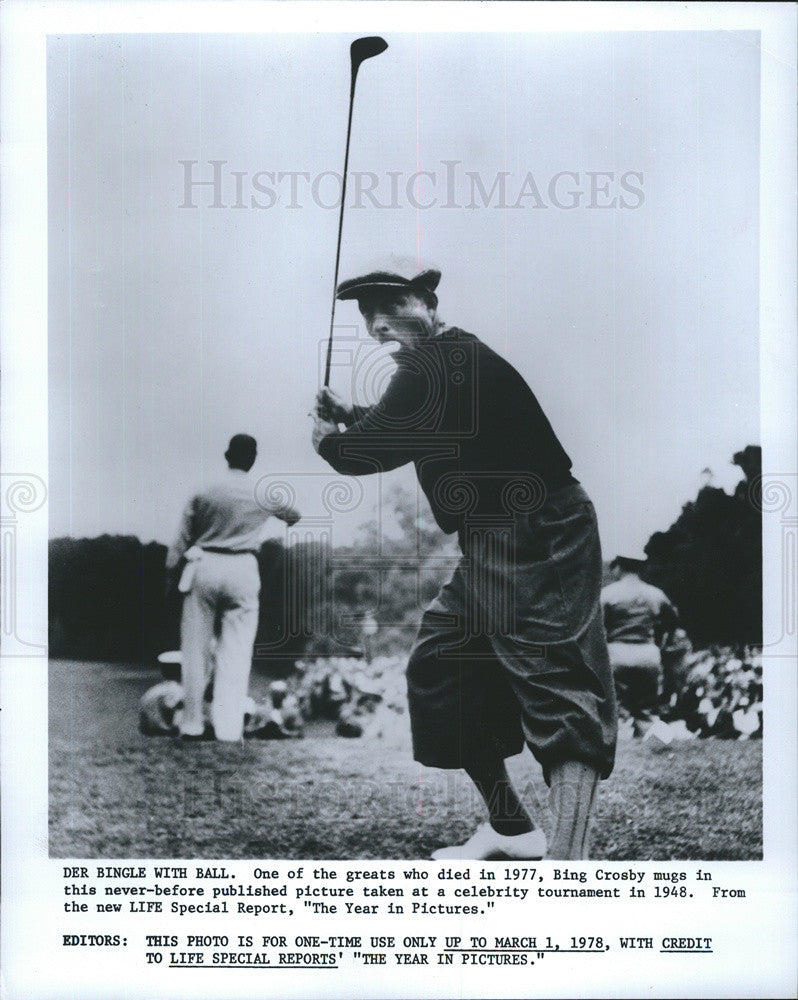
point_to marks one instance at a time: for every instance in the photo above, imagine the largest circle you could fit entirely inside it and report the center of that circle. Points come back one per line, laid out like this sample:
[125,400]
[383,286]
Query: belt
[229,552]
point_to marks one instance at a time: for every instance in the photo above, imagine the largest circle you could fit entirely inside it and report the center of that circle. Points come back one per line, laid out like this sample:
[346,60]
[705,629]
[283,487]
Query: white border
[23,319]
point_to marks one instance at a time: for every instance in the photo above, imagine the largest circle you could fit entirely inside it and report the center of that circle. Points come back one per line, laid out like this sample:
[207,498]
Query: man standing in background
[220,535]
[638,617]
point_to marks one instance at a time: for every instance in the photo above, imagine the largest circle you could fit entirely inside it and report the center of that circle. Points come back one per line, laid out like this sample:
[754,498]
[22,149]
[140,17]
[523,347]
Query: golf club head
[364,48]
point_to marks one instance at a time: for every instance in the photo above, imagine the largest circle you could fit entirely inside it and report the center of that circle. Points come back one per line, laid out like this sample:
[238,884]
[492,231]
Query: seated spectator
[161,709]
[278,719]
[355,715]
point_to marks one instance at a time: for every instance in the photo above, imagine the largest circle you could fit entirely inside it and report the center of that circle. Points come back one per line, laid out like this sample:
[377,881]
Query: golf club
[360,50]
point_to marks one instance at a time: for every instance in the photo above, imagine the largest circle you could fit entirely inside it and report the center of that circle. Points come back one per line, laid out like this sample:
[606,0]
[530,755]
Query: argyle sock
[507,814]
[573,788]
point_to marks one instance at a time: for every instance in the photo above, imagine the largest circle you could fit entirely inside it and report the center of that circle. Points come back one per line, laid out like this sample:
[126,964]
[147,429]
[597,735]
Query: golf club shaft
[340,225]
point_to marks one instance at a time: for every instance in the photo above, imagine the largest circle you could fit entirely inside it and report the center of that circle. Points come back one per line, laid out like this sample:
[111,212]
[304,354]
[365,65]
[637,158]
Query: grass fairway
[117,794]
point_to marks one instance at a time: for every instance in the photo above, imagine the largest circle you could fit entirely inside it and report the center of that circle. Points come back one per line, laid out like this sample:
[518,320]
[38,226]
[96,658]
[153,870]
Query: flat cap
[354,288]
[242,441]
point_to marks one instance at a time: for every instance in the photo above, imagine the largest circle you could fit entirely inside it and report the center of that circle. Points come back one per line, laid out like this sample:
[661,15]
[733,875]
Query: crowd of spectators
[708,693]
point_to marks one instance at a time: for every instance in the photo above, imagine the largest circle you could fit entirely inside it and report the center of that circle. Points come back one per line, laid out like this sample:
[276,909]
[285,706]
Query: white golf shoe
[486,844]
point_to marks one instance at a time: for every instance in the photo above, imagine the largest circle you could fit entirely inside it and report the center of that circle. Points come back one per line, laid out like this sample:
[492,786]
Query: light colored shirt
[636,612]
[228,515]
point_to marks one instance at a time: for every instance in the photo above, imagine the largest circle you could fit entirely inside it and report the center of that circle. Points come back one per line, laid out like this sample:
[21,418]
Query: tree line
[709,562]
[108,596]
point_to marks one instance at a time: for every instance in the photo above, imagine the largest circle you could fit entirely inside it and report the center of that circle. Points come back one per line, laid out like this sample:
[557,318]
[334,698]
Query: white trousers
[222,602]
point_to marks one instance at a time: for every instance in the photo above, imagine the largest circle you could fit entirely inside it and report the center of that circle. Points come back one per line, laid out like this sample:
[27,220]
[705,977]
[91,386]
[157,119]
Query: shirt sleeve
[283,512]
[185,536]
[668,617]
[384,436]
[665,619]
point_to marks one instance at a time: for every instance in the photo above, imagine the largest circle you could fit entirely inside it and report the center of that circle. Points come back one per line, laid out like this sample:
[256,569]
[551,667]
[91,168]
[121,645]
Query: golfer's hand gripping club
[330,407]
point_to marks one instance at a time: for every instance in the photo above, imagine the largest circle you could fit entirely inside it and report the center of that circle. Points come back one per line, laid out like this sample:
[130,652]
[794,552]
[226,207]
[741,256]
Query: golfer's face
[405,319]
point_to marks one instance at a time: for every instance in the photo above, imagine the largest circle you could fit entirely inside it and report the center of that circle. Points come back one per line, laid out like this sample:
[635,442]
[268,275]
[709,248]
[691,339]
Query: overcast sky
[615,264]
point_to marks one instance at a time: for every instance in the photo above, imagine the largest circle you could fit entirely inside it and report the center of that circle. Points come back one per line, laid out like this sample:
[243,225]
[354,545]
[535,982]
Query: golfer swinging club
[513,647]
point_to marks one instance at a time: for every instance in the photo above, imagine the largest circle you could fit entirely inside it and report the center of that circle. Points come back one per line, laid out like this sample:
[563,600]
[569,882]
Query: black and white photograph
[510,475]
[410,446]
